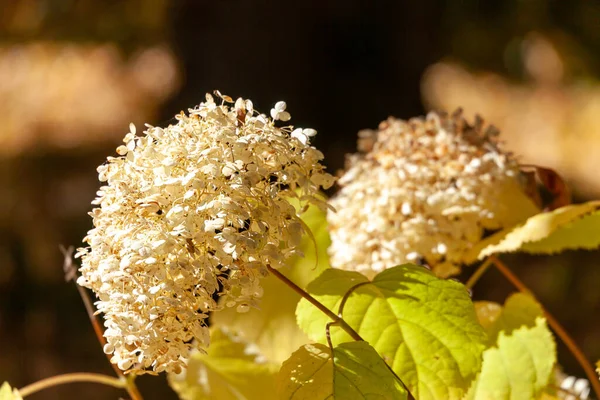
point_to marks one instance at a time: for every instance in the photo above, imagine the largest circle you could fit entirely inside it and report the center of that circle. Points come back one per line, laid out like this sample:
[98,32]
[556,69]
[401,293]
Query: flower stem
[347,296]
[71,274]
[478,273]
[335,318]
[71,378]
[555,325]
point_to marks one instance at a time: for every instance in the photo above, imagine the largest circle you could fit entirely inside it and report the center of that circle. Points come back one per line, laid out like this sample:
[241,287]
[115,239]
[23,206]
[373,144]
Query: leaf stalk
[119,383]
[335,318]
[482,269]
[70,271]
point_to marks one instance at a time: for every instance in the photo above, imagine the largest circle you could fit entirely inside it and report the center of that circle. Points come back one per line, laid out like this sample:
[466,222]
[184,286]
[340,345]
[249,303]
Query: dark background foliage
[341,66]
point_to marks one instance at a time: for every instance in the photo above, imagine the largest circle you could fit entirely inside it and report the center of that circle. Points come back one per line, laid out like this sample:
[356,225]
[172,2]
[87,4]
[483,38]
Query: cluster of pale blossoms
[424,190]
[192,212]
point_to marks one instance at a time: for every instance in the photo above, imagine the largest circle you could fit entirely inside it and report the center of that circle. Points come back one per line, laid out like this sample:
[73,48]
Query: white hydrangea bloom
[426,191]
[188,212]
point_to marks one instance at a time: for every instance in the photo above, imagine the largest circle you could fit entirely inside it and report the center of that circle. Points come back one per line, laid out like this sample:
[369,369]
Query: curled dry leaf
[552,182]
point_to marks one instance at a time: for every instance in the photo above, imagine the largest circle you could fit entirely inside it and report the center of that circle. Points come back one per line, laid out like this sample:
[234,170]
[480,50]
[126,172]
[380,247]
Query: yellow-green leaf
[519,367]
[519,310]
[355,371]
[8,393]
[329,289]
[273,327]
[487,313]
[424,327]
[231,370]
[570,227]
[315,259]
[550,393]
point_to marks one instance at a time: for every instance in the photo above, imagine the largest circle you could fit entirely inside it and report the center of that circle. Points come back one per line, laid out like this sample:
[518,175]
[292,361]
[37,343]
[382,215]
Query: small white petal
[154,289]
[406,209]
[280,106]
[124,364]
[189,194]
[298,134]
[285,116]
[243,308]
[309,132]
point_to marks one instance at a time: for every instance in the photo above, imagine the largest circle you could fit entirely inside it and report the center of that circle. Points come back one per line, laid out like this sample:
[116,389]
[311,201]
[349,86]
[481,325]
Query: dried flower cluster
[191,211]
[424,190]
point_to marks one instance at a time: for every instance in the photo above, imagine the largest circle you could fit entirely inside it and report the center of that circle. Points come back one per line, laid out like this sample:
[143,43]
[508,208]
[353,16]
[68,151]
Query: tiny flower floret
[278,112]
[303,135]
[424,191]
[191,213]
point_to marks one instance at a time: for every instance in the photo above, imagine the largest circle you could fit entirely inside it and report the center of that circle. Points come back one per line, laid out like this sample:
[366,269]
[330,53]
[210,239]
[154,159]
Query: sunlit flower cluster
[189,213]
[424,191]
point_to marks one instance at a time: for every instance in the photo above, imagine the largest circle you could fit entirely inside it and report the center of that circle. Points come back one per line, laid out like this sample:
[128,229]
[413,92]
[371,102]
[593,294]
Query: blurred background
[75,73]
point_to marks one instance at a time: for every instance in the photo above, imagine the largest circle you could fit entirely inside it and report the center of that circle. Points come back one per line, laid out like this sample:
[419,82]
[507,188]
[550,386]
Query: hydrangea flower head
[424,190]
[190,212]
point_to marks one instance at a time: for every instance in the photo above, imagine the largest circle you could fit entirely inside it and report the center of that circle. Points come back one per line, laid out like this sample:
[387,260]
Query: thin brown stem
[347,296]
[71,274]
[328,335]
[71,378]
[132,389]
[478,273]
[339,321]
[555,325]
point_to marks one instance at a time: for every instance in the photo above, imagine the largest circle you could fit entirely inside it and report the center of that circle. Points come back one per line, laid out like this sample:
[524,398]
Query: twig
[71,378]
[339,321]
[555,325]
[70,271]
[478,273]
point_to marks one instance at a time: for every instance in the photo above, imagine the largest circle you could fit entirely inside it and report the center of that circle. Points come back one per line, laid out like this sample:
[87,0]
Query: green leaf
[570,227]
[424,327]
[519,367]
[355,371]
[232,370]
[273,327]
[487,313]
[329,289]
[519,310]
[8,393]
